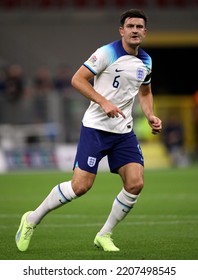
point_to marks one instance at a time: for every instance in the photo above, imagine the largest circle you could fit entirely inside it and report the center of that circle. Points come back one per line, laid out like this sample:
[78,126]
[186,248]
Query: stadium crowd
[18,91]
[87,4]
[46,98]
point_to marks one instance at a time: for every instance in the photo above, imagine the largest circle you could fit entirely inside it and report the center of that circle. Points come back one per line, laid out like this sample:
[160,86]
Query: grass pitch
[162,226]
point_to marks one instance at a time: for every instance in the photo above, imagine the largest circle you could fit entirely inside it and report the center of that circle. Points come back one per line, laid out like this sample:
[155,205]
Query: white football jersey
[118,77]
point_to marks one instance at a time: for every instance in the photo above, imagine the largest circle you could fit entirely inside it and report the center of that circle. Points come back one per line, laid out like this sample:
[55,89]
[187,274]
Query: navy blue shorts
[94,144]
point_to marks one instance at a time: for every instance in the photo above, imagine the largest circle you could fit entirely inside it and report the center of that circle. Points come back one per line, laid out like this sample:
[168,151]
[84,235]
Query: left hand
[156,124]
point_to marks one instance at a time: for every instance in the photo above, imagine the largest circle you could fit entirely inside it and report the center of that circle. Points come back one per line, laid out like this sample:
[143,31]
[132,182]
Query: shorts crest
[91,161]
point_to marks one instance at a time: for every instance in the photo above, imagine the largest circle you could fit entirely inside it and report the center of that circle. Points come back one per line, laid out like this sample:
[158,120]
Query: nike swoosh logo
[119,70]
[124,211]
[61,201]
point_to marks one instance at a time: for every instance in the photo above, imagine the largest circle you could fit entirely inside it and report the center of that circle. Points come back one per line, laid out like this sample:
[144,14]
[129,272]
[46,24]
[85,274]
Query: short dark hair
[133,13]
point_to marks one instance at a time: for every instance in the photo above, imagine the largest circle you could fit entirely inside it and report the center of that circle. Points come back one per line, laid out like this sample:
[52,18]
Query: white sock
[60,195]
[122,205]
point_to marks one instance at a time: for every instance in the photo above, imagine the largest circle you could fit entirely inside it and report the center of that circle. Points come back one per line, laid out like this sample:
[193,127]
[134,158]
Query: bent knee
[80,189]
[135,187]
[82,181]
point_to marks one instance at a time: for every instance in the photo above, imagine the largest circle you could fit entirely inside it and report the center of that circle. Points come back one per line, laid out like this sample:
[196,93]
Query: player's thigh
[132,175]
[82,181]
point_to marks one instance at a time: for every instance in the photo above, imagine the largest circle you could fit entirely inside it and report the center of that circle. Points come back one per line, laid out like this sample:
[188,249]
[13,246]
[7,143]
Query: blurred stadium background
[43,42]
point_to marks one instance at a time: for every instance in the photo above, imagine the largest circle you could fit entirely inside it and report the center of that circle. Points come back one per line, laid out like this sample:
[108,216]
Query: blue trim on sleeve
[88,67]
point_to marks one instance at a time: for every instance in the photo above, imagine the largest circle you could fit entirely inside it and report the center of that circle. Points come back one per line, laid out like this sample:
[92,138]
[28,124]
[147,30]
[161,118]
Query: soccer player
[121,71]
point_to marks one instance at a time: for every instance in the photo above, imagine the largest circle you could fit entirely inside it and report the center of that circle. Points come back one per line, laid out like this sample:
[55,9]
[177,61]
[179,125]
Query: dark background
[175,70]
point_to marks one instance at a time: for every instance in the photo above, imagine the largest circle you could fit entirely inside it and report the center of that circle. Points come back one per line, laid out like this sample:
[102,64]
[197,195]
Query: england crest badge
[91,161]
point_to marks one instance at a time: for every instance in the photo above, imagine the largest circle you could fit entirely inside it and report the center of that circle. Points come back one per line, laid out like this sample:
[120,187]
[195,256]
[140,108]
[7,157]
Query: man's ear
[121,30]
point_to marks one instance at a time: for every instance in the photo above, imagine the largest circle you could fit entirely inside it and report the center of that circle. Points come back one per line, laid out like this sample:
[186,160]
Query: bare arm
[146,102]
[80,81]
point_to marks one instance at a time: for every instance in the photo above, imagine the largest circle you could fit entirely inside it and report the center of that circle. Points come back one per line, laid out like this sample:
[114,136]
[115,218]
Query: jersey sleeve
[146,59]
[99,60]
[147,80]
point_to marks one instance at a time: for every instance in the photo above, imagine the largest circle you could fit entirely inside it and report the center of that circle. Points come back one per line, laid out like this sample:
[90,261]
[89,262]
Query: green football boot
[24,233]
[106,243]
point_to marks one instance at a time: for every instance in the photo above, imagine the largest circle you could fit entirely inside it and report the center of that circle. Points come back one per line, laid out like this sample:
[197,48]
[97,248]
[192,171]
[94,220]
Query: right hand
[111,110]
